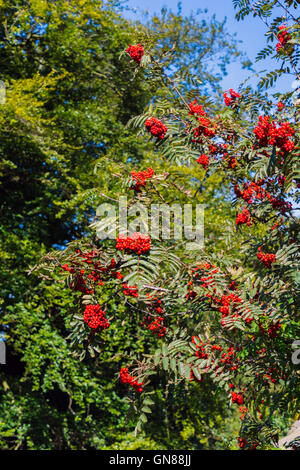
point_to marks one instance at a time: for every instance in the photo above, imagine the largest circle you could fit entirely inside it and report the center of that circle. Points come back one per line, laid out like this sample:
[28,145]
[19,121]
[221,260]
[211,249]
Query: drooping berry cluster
[85,279]
[243,410]
[95,318]
[126,378]
[156,127]
[227,302]
[137,243]
[152,321]
[230,100]
[229,307]
[139,178]
[136,52]
[266,258]
[283,37]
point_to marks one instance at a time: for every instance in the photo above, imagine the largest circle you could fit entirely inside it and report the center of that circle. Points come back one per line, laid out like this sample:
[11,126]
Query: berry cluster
[273,375]
[203,160]
[230,100]
[130,291]
[243,443]
[253,192]
[243,410]
[283,38]
[136,52]
[280,204]
[229,160]
[204,350]
[227,302]
[157,306]
[280,106]
[226,361]
[156,327]
[266,258]
[243,218]
[85,280]
[205,128]
[95,318]
[237,398]
[156,127]
[79,284]
[215,149]
[126,378]
[196,109]
[229,360]
[272,330]
[154,323]
[139,178]
[137,243]
[267,133]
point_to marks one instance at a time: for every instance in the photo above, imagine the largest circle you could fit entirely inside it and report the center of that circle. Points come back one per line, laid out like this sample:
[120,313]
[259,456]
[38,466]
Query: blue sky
[251,31]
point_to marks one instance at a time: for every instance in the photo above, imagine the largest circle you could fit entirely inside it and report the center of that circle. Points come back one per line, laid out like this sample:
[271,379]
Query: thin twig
[288,12]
